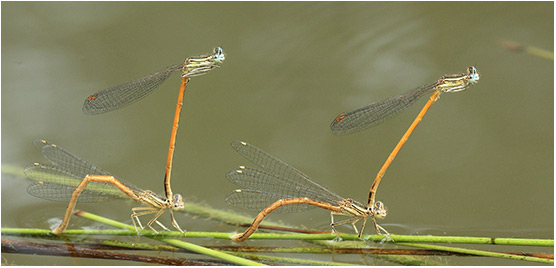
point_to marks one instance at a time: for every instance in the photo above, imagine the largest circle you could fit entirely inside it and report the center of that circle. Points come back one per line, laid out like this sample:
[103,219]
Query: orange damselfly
[130,92]
[70,178]
[447,83]
[378,112]
[279,187]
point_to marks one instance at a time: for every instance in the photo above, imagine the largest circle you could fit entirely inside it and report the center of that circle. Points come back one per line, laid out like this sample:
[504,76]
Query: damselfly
[70,178]
[130,92]
[279,187]
[378,112]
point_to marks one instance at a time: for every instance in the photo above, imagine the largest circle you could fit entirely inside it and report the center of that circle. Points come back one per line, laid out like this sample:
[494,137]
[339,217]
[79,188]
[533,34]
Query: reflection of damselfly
[130,92]
[378,112]
[282,188]
[69,177]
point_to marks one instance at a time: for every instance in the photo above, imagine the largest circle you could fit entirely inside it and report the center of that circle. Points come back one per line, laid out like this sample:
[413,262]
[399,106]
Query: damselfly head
[219,55]
[473,75]
[379,210]
[177,203]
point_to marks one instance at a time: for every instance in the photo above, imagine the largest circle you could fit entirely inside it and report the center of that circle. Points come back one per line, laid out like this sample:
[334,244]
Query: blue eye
[219,54]
[473,74]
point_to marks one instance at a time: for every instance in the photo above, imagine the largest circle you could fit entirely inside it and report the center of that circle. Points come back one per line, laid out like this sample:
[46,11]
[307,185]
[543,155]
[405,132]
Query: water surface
[480,163]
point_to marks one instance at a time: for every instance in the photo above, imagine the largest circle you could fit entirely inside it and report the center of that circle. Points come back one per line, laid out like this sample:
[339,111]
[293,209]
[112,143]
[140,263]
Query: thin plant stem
[480,253]
[294,236]
[84,251]
[173,242]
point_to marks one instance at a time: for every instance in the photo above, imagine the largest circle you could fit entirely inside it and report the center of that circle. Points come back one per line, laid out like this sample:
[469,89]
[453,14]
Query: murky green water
[480,164]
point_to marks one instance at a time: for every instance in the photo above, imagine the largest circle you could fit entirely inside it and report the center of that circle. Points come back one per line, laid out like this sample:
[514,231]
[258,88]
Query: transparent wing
[259,200]
[52,183]
[276,166]
[278,186]
[58,180]
[378,112]
[128,93]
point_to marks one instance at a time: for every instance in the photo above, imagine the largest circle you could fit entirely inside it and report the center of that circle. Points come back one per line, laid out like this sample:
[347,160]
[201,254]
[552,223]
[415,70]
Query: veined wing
[260,189]
[280,172]
[377,112]
[58,180]
[122,95]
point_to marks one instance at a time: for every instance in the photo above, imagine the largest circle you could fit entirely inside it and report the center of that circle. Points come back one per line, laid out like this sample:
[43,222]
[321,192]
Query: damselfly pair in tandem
[70,178]
[278,184]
